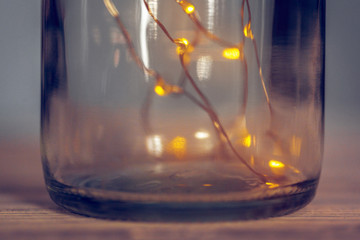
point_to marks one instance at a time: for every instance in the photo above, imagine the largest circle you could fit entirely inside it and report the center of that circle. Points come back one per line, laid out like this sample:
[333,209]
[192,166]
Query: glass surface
[182,110]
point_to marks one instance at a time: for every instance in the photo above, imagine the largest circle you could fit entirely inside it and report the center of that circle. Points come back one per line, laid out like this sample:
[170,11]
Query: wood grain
[26,211]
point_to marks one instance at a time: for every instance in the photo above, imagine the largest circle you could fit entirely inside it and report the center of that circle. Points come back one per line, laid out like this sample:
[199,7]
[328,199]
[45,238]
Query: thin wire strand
[207,105]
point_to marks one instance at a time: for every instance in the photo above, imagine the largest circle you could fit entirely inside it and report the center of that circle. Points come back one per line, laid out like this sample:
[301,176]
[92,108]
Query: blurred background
[20,30]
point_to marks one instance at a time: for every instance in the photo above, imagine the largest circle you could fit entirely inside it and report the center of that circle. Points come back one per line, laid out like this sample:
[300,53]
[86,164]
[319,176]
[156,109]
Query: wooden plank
[26,211]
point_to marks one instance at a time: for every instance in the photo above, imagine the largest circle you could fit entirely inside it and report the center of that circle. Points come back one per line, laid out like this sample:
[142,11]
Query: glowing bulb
[231,53]
[276,164]
[248,32]
[162,88]
[247,141]
[159,90]
[207,185]
[202,135]
[182,45]
[277,167]
[190,9]
[177,147]
[182,41]
[187,7]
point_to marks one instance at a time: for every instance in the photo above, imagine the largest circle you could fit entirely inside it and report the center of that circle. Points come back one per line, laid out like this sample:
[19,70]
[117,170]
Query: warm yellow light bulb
[247,141]
[182,45]
[248,32]
[190,9]
[159,90]
[276,164]
[277,167]
[231,53]
[187,7]
[162,88]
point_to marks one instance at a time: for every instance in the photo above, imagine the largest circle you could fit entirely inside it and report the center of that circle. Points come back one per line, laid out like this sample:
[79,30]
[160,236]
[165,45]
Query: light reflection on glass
[207,185]
[177,147]
[144,50]
[153,28]
[116,57]
[203,67]
[116,37]
[295,147]
[277,150]
[96,35]
[154,145]
[252,160]
[202,135]
[212,5]
[272,185]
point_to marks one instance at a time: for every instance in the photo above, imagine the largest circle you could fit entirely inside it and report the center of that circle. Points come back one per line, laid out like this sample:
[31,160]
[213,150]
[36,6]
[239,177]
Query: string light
[184,47]
[162,88]
[187,7]
[276,164]
[182,44]
[248,32]
[246,141]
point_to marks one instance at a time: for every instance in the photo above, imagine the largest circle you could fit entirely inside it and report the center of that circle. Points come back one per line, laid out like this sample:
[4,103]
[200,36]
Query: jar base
[197,208]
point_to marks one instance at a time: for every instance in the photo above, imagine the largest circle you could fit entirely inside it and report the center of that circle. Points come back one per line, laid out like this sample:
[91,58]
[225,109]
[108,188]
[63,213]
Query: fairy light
[277,167]
[248,32]
[187,7]
[246,141]
[162,88]
[276,164]
[182,45]
[159,90]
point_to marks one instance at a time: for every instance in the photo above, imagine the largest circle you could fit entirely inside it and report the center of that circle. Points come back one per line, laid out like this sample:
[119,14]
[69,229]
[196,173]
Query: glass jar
[159,110]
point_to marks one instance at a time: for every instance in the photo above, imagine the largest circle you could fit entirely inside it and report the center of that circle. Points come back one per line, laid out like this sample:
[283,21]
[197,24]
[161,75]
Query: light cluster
[231,51]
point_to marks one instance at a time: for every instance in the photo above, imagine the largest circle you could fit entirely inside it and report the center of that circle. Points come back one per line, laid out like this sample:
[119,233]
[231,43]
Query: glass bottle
[159,110]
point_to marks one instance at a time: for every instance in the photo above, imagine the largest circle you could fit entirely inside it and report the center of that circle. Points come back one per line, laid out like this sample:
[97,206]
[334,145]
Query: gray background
[20,22]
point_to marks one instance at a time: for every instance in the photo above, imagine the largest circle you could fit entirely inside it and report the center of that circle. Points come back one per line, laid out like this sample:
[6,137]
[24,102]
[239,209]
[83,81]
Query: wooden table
[26,211]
